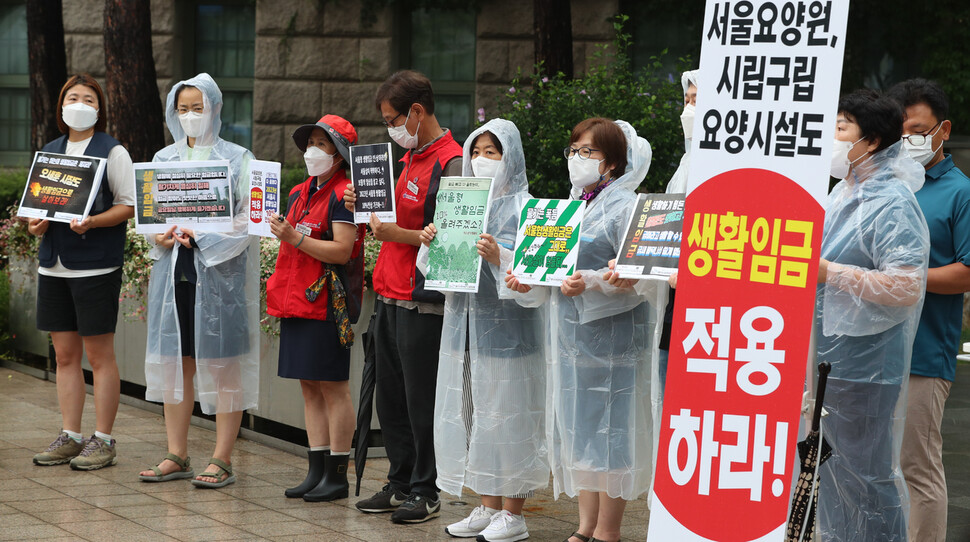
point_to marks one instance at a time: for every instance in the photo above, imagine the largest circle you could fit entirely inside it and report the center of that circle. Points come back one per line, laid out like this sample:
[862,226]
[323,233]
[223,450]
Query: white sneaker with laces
[473,524]
[504,527]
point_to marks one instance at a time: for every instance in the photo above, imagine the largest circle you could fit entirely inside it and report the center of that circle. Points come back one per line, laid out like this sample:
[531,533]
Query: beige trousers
[922,458]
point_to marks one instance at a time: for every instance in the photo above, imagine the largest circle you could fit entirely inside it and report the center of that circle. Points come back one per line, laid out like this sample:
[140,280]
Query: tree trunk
[553,27]
[48,68]
[135,110]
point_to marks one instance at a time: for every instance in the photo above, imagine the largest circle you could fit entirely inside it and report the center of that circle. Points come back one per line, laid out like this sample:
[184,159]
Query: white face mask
[923,153]
[401,136]
[840,158]
[485,167]
[317,161]
[687,121]
[79,116]
[583,173]
[192,123]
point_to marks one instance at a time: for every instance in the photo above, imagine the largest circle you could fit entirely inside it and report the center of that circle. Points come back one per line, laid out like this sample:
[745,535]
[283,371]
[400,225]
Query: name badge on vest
[303,228]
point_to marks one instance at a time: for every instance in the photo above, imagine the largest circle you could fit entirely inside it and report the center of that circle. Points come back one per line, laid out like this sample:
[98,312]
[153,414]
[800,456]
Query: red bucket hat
[339,130]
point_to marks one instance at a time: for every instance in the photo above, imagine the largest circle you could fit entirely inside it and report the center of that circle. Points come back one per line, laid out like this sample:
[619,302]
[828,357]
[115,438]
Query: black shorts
[87,305]
[185,310]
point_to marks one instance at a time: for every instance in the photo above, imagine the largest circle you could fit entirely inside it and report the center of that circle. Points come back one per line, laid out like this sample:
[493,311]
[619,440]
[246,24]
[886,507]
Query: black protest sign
[61,187]
[372,175]
[651,246]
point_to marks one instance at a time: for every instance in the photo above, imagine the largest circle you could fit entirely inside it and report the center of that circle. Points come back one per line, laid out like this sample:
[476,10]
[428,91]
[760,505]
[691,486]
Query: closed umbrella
[365,408]
[813,451]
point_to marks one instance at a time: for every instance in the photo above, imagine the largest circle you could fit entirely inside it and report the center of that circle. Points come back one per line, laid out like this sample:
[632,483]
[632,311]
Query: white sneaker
[504,527]
[473,524]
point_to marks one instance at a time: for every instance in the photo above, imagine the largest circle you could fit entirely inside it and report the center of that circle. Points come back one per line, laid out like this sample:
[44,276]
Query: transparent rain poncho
[503,450]
[678,182]
[603,395]
[866,317]
[227,290]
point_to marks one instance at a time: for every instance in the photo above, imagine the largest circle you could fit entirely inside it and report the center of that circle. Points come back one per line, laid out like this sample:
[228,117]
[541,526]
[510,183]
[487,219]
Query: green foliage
[12,182]
[5,336]
[290,176]
[546,109]
[950,66]
[15,240]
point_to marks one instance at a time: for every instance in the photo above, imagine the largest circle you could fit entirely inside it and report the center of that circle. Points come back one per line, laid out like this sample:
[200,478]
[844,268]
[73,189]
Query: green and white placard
[460,216]
[547,242]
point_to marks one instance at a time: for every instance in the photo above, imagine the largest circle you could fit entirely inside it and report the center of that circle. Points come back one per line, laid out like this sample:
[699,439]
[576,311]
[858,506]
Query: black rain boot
[334,484]
[318,466]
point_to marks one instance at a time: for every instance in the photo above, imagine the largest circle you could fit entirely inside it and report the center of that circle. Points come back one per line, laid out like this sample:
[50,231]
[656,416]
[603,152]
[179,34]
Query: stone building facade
[315,57]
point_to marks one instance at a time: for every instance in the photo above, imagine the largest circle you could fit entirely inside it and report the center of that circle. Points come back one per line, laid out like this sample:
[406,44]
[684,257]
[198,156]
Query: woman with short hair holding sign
[203,300]
[79,280]
[603,398]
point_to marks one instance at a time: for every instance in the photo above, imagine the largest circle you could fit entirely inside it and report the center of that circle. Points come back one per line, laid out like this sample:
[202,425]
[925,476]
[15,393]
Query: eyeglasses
[583,152]
[390,123]
[918,139]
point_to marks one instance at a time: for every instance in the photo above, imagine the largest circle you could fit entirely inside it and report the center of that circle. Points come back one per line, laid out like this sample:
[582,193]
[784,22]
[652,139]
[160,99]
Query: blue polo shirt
[945,201]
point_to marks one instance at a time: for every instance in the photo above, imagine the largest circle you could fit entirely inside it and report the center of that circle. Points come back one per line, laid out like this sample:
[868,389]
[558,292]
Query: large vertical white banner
[767,97]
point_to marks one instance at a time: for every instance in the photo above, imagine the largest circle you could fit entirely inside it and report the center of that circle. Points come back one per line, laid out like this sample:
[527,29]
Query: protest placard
[197,195]
[373,178]
[61,187]
[765,122]
[547,241]
[651,245]
[264,196]
[460,216]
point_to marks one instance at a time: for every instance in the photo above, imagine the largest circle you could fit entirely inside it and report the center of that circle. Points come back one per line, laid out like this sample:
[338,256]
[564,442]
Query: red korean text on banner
[745,295]
[256,205]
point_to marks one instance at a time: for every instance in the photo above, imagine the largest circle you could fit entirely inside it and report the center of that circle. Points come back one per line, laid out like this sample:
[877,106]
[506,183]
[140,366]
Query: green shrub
[545,109]
[290,176]
[12,182]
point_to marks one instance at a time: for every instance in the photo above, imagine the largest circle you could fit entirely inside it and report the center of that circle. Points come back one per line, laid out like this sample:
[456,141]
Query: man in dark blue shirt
[945,201]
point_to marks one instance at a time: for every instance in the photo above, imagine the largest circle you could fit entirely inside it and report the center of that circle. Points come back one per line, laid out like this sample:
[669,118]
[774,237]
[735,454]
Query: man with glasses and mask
[945,201]
[408,318]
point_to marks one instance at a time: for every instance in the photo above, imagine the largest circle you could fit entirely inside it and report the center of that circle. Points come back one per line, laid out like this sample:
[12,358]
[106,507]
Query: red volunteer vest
[297,270]
[395,275]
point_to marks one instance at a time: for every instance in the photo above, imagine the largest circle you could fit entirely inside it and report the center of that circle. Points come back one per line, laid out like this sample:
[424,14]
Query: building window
[14,85]
[442,46]
[673,25]
[225,44]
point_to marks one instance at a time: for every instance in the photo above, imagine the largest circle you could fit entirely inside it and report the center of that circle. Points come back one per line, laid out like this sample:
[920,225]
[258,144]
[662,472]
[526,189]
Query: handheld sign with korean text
[547,241]
[651,245]
[372,175]
[61,187]
[461,214]
[264,196]
[198,195]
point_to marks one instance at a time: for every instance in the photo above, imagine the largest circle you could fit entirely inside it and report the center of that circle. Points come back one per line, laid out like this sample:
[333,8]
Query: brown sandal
[582,537]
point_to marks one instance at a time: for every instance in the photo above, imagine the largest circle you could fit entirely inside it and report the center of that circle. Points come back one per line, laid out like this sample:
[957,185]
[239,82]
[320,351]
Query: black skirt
[310,350]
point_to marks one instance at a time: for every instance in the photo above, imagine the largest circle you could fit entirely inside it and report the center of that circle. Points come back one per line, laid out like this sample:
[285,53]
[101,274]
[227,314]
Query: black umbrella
[366,405]
[813,451]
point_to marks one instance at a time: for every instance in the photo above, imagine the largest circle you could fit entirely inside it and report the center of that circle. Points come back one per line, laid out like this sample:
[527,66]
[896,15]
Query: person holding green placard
[490,397]
[203,300]
[603,402]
